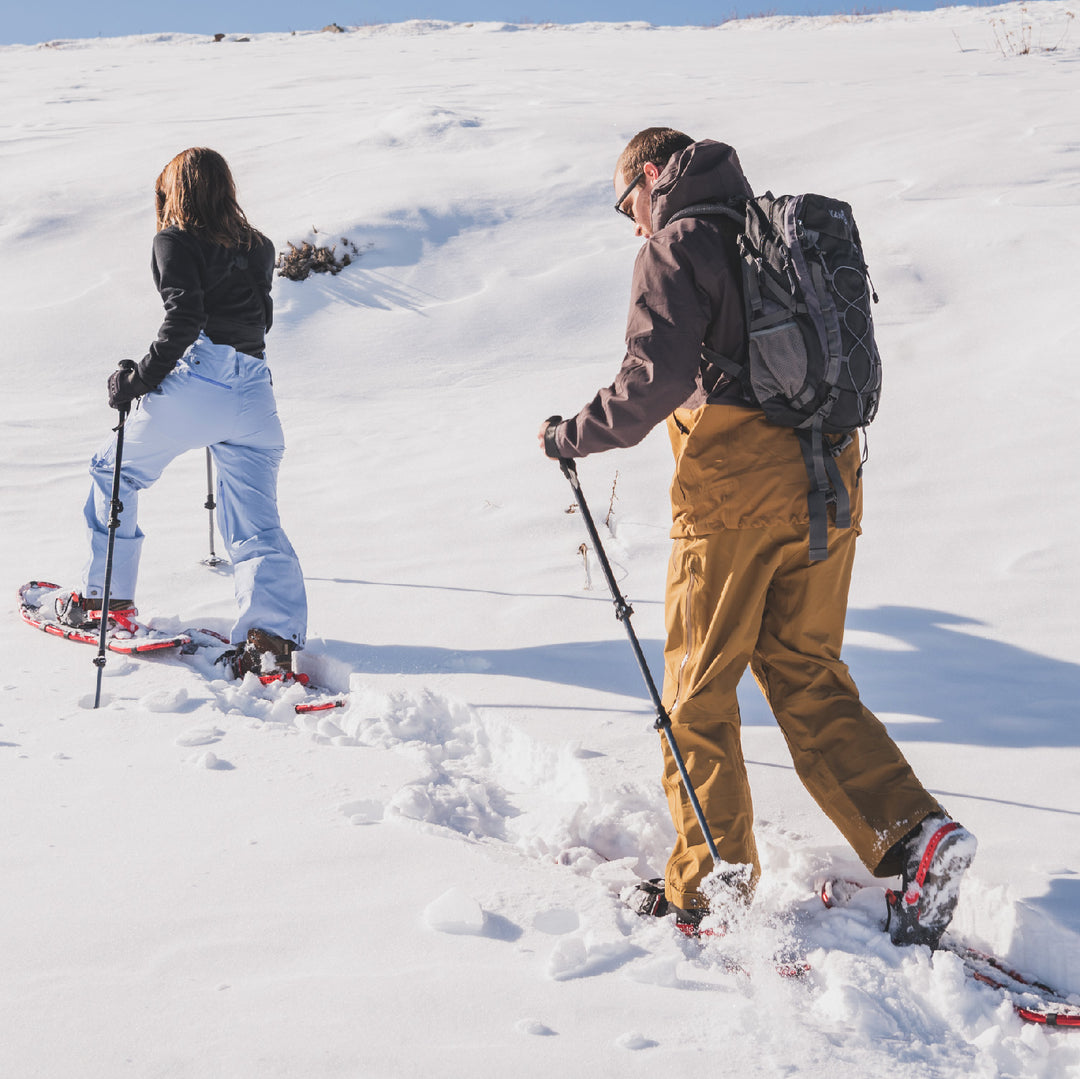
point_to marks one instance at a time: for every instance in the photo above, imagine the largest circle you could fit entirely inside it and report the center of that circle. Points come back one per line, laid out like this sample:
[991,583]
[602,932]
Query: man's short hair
[655,144]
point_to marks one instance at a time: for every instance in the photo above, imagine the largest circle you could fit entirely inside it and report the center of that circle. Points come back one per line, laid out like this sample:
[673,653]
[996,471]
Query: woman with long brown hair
[204,382]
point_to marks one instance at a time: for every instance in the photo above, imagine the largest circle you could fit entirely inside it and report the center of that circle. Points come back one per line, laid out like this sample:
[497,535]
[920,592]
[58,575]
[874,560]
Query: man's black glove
[125,384]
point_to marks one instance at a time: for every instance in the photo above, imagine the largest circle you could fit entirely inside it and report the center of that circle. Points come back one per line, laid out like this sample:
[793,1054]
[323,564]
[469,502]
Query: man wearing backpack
[741,588]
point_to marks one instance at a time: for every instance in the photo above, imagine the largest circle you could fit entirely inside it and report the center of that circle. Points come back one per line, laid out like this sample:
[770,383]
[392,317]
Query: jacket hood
[705,171]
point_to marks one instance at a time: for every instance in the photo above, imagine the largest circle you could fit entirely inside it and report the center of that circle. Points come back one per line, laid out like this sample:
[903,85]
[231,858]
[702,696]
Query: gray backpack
[810,360]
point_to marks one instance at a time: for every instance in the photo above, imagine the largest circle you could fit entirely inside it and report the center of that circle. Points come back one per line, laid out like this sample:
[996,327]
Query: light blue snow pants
[221,398]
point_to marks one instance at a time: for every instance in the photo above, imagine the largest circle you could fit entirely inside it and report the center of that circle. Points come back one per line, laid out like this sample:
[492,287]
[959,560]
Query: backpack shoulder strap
[733,210]
[728,364]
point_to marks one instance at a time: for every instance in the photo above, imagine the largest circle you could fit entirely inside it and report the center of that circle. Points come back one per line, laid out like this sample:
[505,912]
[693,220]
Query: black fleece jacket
[223,292]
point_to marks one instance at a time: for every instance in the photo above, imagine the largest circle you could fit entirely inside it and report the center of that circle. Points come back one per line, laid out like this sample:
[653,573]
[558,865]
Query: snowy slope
[198,883]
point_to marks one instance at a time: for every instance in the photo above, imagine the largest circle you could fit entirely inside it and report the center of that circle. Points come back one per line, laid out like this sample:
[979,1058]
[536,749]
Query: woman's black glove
[125,384]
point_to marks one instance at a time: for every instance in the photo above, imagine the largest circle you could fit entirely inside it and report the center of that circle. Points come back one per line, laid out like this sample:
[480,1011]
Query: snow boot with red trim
[264,655]
[647,898]
[937,854]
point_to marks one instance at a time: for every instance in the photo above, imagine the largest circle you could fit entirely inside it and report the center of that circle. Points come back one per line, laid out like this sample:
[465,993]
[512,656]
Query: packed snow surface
[197,882]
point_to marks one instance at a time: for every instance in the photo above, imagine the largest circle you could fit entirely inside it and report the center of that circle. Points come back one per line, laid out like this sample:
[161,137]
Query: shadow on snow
[949,685]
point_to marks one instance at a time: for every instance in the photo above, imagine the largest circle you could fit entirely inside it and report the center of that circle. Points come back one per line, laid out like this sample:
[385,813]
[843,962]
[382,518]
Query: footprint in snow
[557,921]
[585,955]
[633,1040]
[366,811]
[165,700]
[200,736]
[211,762]
[534,1026]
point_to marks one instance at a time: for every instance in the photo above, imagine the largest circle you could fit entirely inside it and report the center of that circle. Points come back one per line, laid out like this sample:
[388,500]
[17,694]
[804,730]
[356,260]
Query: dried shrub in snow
[1024,37]
[300,262]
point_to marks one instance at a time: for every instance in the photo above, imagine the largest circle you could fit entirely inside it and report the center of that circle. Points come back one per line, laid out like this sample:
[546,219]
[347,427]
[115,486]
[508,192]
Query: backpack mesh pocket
[778,364]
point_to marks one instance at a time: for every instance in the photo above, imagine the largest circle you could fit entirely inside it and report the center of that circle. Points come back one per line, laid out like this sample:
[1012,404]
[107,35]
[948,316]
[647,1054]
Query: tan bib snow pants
[741,590]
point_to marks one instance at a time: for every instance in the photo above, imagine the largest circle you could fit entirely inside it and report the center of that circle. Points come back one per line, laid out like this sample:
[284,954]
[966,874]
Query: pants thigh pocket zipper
[688,638]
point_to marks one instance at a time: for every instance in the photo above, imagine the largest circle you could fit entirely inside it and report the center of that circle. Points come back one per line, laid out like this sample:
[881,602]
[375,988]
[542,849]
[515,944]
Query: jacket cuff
[551,448]
[151,373]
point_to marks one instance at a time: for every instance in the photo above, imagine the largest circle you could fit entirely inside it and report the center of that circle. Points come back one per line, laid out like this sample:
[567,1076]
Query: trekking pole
[116,507]
[210,505]
[623,611]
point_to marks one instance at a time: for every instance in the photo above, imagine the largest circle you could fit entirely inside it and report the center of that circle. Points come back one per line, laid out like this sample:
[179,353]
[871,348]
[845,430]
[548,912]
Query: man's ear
[651,172]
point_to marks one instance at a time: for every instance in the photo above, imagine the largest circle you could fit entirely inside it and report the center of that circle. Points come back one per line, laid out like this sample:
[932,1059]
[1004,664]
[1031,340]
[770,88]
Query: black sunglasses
[626,194]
